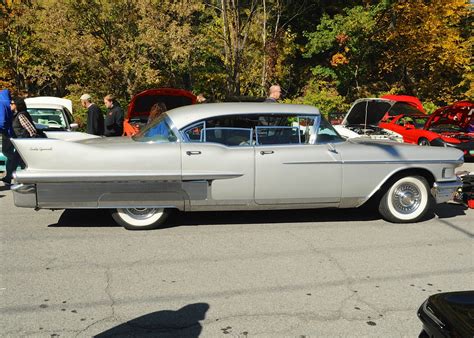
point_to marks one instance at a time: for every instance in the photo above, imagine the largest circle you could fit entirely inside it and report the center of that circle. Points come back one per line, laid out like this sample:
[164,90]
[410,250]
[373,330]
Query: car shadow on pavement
[167,323]
[102,218]
[272,216]
[85,218]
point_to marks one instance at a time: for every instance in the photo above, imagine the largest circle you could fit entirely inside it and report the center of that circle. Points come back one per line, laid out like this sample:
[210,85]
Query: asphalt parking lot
[283,273]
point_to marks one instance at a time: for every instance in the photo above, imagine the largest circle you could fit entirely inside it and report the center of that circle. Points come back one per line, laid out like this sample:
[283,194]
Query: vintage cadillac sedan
[233,156]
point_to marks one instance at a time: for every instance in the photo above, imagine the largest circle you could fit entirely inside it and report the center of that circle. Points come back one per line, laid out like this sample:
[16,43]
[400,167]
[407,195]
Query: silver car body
[194,175]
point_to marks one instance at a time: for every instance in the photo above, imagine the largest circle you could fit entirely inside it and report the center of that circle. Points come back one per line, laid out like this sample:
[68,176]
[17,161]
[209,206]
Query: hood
[141,103]
[370,111]
[459,114]
[40,101]
[411,100]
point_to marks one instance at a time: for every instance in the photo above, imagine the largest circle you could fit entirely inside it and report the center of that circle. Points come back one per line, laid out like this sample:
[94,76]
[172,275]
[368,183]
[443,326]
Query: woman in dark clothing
[23,127]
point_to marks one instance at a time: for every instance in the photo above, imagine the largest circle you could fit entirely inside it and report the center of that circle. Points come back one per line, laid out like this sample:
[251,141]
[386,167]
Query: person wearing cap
[95,119]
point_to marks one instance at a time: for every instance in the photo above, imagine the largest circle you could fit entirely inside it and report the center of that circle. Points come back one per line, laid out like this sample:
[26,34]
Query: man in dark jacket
[114,117]
[95,119]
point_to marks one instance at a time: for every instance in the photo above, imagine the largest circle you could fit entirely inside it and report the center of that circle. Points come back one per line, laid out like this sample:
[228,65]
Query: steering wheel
[54,122]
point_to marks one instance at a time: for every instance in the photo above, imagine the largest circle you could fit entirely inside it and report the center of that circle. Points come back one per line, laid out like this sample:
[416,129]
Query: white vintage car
[233,156]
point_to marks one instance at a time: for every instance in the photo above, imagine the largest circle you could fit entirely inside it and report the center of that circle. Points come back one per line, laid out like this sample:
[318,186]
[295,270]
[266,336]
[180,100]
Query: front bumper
[445,191]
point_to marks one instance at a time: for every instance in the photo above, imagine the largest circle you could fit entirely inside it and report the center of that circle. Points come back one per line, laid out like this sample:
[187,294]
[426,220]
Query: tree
[426,53]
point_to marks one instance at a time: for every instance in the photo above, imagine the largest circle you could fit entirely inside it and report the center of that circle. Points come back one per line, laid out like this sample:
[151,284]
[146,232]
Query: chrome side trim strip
[94,176]
[314,162]
[209,176]
[405,162]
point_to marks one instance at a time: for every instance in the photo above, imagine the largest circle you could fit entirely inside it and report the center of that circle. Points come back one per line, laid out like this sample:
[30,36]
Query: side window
[326,133]
[278,135]
[229,136]
[69,117]
[195,132]
[222,131]
[307,129]
[287,129]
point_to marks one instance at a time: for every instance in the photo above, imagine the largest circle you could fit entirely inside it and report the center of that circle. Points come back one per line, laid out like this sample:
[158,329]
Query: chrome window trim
[173,129]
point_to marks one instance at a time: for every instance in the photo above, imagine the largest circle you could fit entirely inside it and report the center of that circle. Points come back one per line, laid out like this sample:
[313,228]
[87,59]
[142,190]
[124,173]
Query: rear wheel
[407,200]
[140,218]
[423,141]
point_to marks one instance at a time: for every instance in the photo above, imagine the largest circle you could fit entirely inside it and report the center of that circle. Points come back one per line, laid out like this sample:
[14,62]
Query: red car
[141,103]
[450,126]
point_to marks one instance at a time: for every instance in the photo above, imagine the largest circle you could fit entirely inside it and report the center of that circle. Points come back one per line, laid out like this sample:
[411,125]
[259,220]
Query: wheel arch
[382,188]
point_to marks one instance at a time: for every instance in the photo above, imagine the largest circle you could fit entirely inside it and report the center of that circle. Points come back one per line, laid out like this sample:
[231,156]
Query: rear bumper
[444,191]
[24,195]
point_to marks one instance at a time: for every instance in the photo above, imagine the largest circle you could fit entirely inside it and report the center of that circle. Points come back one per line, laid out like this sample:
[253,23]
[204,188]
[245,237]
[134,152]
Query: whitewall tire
[406,200]
[140,218]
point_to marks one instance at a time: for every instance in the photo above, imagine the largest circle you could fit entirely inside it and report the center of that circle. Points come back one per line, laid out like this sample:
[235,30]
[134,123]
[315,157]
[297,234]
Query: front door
[296,167]
[223,159]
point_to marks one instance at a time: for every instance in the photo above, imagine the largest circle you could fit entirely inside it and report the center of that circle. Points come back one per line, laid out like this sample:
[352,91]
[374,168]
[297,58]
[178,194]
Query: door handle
[194,152]
[266,152]
[332,149]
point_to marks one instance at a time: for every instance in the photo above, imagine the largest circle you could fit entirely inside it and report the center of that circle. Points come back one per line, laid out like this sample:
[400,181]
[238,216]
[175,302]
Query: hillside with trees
[322,52]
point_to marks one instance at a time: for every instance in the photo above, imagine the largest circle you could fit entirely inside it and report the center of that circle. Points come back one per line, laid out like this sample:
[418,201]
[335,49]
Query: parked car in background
[234,156]
[140,106]
[402,118]
[364,116]
[50,114]
[448,314]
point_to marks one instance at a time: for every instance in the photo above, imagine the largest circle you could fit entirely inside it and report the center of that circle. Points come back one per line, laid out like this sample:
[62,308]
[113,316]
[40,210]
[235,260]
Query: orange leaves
[339,59]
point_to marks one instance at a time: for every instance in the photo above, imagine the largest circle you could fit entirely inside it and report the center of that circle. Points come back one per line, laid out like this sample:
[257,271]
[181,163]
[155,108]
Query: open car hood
[459,115]
[370,111]
[47,101]
[141,103]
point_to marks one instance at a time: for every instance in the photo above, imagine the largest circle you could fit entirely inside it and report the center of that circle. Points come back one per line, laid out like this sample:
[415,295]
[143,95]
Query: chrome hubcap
[424,143]
[406,198]
[141,213]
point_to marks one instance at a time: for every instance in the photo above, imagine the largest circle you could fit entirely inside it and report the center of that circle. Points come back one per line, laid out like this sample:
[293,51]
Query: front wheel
[407,200]
[423,141]
[140,218]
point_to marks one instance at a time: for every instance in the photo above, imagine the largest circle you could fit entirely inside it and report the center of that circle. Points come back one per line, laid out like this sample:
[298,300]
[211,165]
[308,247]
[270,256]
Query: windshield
[368,112]
[156,131]
[48,118]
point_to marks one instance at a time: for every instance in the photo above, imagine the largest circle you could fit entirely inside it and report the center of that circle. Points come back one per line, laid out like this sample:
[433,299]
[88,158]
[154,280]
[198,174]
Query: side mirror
[73,126]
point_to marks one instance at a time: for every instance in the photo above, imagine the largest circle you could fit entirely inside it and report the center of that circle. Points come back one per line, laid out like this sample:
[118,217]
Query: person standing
[114,117]
[95,119]
[23,127]
[274,94]
[6,128]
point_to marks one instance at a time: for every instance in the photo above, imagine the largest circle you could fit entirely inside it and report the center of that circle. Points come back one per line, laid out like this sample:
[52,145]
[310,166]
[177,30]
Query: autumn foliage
[321,52]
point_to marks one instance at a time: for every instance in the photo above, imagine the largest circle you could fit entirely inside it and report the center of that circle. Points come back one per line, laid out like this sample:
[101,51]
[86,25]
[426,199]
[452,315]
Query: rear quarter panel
[366,166]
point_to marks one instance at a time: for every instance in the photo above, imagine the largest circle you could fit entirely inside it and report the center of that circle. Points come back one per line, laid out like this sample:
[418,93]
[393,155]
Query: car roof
[186,115]
[48,102]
